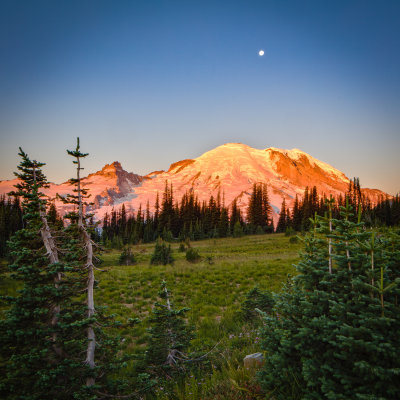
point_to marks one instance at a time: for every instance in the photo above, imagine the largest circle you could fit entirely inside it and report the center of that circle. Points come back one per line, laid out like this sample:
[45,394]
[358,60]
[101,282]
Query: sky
[149,83]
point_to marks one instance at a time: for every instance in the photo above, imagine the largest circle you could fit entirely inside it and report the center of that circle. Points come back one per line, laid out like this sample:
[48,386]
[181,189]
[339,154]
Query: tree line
[386,212]
[188,218]
[195,220]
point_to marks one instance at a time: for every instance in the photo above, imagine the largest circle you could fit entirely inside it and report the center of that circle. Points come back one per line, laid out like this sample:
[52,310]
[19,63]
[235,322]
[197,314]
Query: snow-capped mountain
[230,169]
[110,186]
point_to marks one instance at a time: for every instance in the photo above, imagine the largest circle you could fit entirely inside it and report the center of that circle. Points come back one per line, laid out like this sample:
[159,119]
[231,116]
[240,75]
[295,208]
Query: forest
[196,220]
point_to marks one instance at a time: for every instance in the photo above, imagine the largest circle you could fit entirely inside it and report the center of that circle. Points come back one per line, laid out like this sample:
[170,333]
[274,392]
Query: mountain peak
[233,146]
[114,172]
[112,168]
[226,150]
[231,169]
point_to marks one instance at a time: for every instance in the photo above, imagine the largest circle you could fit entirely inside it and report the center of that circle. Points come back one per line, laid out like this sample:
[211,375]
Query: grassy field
[212,288]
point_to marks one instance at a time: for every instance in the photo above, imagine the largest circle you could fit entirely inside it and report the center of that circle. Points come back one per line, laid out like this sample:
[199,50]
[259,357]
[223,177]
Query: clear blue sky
[151,82]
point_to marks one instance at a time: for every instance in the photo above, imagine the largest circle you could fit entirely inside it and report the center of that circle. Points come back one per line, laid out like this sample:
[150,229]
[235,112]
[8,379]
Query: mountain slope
[230,169]
[233,168]
[110,186]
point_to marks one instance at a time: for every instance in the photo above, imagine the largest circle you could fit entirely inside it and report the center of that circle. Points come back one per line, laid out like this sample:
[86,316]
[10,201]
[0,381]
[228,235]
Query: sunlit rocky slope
[230,169]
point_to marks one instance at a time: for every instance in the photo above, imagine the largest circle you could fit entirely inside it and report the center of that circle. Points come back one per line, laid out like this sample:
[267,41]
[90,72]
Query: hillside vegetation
[213,288]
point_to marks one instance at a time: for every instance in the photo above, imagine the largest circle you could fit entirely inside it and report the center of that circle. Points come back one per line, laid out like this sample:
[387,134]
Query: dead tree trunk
[88,245]
[52,252]
[90,303]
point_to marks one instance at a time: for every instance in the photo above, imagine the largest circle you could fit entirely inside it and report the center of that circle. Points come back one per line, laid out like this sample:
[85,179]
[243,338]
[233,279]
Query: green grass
[213,288]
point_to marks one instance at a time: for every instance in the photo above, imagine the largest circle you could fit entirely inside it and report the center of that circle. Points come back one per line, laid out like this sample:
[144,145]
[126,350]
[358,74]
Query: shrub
[167,235]
[259,230]
[237,230]
[127,257]
[192,255]
[290,231]
[210,260]
[182,247]
[293,239]
[162,254]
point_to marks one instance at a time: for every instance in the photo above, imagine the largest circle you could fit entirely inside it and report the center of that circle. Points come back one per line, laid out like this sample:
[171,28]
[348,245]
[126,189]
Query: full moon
[261,53]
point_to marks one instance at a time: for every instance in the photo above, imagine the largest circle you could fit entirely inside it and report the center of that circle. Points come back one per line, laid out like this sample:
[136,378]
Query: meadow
[214,289]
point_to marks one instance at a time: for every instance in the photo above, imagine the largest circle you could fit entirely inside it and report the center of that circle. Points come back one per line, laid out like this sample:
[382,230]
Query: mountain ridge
[230,169]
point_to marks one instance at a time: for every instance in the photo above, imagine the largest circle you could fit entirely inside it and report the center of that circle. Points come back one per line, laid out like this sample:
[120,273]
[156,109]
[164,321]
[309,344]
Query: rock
[253,360]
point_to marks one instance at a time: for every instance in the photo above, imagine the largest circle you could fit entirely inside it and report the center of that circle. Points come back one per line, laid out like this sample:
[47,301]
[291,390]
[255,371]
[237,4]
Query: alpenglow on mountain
[230,169]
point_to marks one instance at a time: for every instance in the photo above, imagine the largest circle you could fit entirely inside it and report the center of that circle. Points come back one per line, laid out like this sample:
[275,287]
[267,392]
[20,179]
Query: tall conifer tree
[281,227]
[37,336]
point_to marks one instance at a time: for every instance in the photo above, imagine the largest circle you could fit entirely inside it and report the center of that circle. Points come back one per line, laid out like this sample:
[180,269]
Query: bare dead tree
[81,194]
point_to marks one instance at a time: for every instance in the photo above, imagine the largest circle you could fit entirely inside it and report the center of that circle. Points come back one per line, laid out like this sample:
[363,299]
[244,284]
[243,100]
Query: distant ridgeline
[197,220]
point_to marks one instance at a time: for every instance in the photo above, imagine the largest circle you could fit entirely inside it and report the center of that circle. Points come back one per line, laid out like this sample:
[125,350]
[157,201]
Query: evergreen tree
[162,254]
[82,256]
[256,299]
[167,209]
[166,355]
[282,222]
[87,246]
[53,218]
[223,225]
[157,214]
[37,335]
[127,257]
[192,255]
[235,215]
[296,215]
[266,211]
[238,230]
[334,332]
[259,210]
[123,224]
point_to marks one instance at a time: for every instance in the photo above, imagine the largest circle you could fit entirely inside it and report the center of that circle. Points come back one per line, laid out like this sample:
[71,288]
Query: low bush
[162,254]
[293,239]
[182,248]
[127,257]
[290,231]
[192,255]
